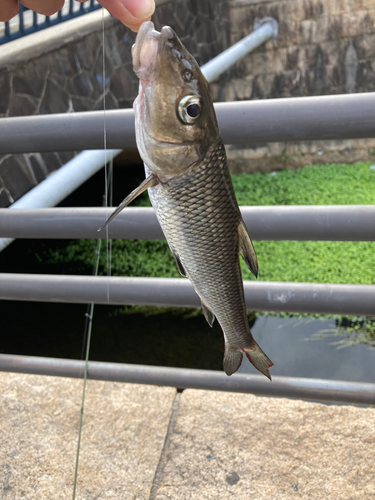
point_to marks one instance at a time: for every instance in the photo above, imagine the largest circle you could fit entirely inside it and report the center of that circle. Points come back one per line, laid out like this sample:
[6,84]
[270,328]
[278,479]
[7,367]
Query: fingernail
[140,9]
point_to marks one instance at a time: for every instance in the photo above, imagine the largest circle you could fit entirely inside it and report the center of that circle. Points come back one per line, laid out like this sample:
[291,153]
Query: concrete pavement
[152,443]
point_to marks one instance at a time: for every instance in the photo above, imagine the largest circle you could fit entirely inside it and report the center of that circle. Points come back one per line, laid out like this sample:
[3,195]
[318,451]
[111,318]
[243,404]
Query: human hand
[132,13]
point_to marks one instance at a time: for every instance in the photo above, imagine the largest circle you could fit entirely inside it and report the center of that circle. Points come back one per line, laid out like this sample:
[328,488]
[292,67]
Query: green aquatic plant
[353,330]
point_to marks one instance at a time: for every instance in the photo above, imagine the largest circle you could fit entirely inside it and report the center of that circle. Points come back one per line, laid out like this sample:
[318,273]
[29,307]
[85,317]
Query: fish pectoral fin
[180,267]
[208,314]
[151,181]
[246,249]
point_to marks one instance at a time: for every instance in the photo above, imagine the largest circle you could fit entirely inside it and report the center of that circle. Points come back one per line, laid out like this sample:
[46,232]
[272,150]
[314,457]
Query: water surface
[286,342]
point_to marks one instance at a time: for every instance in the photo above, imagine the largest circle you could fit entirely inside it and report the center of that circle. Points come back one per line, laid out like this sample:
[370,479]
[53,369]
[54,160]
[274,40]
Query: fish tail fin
[259,359]
[233,358]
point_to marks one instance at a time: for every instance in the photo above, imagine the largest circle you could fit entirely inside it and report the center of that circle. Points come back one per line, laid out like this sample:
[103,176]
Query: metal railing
[271,296]
[183,378]
[27,21]
[272,223]
[297,119]
[347,116]
[299,223]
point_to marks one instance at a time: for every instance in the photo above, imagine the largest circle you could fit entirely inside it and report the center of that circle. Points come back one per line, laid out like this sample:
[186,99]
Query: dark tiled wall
[323,47]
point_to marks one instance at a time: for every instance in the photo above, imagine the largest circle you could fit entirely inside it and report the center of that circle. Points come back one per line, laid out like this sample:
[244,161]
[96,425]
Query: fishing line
[109,203]
[108,190]
[89,318]
[95,268]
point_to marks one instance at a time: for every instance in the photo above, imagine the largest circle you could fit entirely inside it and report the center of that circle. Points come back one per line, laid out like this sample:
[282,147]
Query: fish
[189,186]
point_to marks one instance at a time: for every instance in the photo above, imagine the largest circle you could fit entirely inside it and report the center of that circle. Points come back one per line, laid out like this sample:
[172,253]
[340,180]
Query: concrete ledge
[122,437]
[246,447]
[146,443]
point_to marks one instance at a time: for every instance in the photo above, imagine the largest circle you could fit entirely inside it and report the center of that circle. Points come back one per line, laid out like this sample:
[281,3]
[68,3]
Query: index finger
[132,13]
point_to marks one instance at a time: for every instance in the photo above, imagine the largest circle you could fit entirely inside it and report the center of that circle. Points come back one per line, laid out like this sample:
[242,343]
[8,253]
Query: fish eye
[189,109]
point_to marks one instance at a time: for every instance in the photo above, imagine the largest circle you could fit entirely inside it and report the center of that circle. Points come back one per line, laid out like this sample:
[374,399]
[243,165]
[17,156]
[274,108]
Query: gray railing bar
[347,116]
[183,378]
[302,223]
[313,298]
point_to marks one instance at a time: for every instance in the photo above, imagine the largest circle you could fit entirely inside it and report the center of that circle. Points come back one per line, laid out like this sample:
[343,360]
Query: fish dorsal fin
[180,267]
[208,314]
[151,181]
[246,249]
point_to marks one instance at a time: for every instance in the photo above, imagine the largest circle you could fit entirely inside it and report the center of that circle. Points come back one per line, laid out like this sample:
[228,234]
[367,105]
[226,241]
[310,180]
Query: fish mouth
[144,50]
[148,44]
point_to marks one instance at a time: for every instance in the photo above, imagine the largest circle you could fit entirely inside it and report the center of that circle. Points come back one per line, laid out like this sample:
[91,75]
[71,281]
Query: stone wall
[323,47]
[65,74]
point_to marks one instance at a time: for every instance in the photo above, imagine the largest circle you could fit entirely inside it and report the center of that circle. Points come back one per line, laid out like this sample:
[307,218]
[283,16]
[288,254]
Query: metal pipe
[313,298]
[276,223]
[348,116]
[183,378]
[61,183]
[265,30]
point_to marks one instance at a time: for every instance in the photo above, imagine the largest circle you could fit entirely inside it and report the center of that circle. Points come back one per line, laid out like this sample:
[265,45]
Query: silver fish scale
[199,216]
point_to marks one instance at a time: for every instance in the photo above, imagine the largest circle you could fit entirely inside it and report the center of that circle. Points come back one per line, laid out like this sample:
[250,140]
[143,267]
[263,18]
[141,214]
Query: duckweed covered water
[299,261]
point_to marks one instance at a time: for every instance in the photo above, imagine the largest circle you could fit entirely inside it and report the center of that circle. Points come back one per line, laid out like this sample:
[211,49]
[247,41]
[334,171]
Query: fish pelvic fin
[246,249]
[208,314]
[151,181]
[179,265]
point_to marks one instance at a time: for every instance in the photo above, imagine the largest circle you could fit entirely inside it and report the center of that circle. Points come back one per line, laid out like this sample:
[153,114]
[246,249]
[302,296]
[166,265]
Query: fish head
[174,114]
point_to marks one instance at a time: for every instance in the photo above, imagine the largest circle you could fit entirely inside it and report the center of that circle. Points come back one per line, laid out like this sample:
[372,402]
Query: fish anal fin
[179,265]
[246,249]
[208,314]
[151,181]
